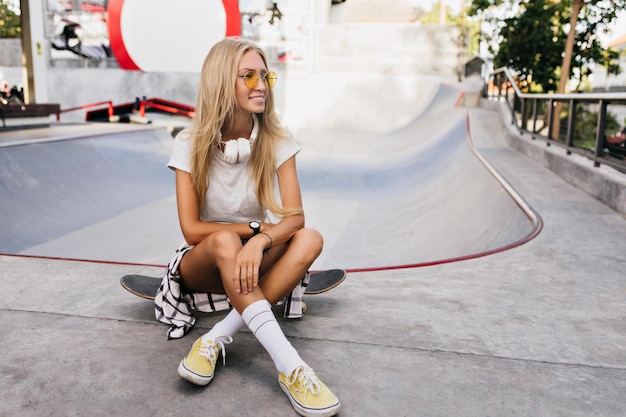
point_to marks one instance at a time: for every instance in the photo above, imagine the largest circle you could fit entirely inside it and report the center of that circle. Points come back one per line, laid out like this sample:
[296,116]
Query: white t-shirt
[231,196]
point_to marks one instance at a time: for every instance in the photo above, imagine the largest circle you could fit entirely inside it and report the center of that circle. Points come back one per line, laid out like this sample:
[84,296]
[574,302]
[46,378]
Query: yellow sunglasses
[251,79]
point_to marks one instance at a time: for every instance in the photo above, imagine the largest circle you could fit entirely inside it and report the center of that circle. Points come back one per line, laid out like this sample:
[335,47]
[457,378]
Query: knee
[223,244]
[309,242]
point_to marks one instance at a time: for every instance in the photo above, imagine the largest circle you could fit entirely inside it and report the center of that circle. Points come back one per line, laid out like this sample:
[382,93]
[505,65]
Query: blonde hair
[217,105]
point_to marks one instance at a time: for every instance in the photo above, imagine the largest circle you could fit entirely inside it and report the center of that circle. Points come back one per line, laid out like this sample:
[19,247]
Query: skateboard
[146,286]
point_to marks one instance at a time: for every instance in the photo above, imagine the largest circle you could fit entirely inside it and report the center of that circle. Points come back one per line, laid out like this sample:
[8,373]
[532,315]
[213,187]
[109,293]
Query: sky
[618,29]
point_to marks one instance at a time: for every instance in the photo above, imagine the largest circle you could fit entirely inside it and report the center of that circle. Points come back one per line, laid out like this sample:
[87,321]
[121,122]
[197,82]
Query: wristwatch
[255,226]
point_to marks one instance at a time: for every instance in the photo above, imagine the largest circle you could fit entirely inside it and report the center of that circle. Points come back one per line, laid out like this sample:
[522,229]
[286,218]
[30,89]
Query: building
[615,83]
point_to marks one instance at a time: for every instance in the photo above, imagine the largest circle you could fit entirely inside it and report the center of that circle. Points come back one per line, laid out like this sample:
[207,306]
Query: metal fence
[588,124]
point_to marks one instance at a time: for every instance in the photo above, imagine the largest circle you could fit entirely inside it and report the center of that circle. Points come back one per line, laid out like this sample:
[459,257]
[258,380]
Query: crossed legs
[209,266]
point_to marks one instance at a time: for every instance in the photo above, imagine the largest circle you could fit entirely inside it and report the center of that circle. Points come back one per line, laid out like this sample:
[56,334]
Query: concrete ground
[537,330]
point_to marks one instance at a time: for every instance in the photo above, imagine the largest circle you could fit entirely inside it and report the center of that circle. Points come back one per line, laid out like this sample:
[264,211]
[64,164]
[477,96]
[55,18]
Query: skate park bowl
[389,187]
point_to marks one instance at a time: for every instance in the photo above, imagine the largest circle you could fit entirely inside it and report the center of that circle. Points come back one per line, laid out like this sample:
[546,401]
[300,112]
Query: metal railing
[140,106]
[108,103]
[588,124]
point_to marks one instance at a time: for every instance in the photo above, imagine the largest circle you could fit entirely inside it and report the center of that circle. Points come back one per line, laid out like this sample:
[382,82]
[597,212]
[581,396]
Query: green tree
[587,21]
[10,22]
[549,41]
[531,41]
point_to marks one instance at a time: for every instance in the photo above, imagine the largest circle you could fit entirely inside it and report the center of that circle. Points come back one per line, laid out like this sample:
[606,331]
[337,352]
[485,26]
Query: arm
[291,197]
[250,257]
[195,230]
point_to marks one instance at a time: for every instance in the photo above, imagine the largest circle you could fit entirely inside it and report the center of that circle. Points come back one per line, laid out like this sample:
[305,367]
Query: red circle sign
[169,35]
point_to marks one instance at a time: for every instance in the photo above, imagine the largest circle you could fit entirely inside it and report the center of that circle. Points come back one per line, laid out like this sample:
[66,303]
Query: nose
[260,85]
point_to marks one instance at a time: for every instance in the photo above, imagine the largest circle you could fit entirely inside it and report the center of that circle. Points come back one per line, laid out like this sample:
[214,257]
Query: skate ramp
[420,195]
[414,196]
[98,192]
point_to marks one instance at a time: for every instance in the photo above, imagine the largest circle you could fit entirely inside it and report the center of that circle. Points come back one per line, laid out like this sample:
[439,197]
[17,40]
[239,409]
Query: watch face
[254,224]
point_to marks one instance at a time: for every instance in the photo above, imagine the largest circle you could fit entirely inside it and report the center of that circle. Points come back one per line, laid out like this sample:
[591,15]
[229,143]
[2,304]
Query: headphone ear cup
[243,147]
[231,152]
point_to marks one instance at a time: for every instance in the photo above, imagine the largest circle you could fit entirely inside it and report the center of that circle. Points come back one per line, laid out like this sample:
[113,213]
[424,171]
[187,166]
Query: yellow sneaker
[199,365]
[308,395]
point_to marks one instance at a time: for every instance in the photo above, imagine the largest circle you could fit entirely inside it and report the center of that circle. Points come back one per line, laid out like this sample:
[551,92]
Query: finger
[244,280]
[250,277]
[236,279]
[255,277]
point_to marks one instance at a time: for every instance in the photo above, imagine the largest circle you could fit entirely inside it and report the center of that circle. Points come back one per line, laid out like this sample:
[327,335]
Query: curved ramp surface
[418,195]
[99,194]
[415,196]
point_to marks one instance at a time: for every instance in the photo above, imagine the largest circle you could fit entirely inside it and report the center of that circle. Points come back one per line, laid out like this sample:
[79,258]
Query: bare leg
[209,267]
[199,267]
[203,267]
[288,267]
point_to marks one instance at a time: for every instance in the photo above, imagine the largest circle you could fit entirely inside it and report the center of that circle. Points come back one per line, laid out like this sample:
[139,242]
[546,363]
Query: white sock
[261,321]
[228,326]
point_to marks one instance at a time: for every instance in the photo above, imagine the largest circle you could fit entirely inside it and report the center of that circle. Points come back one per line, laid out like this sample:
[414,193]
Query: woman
[227,167]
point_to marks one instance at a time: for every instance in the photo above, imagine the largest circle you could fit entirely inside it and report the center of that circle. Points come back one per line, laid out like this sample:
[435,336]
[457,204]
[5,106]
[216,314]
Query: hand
[248,263]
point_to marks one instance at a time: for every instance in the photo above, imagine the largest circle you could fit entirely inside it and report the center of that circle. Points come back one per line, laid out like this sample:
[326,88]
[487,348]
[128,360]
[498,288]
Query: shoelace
[307,379]
[207,348]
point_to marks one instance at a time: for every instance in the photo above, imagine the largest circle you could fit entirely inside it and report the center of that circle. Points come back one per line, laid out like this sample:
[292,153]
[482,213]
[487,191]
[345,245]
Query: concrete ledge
[603,183]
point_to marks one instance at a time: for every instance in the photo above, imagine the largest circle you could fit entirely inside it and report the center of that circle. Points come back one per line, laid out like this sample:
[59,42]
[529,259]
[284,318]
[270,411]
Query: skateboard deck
[146,286]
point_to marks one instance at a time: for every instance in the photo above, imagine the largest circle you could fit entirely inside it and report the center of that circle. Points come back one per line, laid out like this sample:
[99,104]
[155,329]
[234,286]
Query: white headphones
[239,150]
[236,150]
